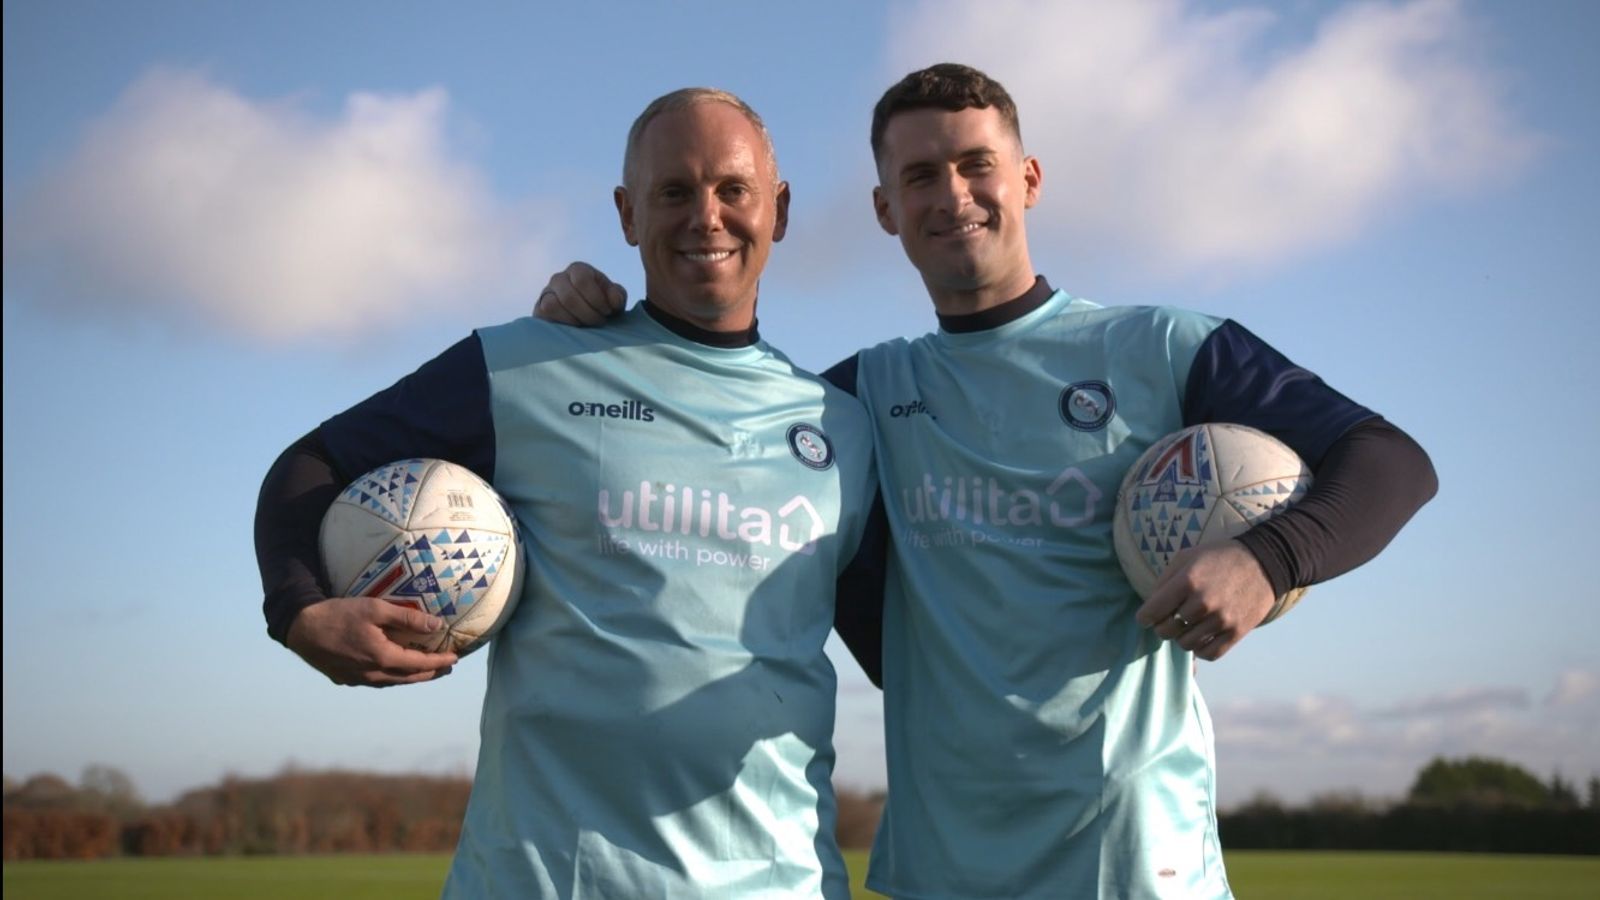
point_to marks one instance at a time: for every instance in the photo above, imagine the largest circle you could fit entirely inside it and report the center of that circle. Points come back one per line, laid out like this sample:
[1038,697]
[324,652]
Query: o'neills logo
[673,509]
[627,409]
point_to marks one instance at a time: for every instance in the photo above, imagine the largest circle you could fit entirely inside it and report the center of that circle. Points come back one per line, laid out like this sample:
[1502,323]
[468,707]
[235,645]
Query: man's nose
[707,213]
[955,194]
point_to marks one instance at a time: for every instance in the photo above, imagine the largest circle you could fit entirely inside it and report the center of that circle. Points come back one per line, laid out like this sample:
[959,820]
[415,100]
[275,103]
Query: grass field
[1267,876]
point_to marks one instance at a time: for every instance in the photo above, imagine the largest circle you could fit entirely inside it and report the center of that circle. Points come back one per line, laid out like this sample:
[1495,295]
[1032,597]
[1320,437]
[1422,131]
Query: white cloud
[1576,689]
[1317,743]
[191,201]
[1193,140]
[1463,702]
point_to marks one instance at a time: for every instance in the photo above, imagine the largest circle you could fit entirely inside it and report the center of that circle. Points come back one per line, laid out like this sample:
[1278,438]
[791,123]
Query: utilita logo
[627,409]
[667,509]
[1070,500]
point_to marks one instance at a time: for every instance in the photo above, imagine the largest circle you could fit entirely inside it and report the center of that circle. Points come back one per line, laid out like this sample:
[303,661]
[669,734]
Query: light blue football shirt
[1041,744]
[659,714]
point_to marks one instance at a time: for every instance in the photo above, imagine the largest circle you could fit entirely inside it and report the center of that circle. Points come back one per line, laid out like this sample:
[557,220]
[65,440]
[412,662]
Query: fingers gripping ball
[1202,485]
[432,536]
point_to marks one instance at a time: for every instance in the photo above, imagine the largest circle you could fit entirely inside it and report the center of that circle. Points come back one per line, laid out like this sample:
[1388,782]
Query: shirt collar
[690,332]
[995,316]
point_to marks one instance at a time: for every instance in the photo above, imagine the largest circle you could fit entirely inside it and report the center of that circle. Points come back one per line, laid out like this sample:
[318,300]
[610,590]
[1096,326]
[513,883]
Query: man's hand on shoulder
[349,640]
[580,295]
[1208,599]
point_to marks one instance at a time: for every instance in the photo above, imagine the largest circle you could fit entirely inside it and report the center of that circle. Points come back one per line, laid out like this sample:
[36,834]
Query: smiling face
[953,186]
[703,205]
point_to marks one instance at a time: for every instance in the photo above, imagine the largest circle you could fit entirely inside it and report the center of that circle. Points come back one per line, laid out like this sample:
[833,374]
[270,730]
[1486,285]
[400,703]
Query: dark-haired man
[659,713]
[1045,734]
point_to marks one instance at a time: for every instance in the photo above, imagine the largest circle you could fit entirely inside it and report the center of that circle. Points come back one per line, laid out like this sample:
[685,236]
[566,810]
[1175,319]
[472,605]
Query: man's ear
[780,223]
[880,207]
[1033,177]
[625,214]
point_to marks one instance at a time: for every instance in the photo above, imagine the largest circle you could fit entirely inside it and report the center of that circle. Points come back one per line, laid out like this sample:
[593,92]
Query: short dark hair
[948,86]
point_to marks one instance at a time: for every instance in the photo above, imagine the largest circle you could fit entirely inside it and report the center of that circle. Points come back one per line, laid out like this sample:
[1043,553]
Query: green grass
[1405,876]
[1255,876]
[857,861]
[395,877]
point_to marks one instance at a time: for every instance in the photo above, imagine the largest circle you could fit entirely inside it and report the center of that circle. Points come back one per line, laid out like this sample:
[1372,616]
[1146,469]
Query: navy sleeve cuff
[1372,480]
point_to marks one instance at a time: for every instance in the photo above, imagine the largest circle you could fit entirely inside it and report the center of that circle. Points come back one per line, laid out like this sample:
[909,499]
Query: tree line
[293,812]
[1470,804]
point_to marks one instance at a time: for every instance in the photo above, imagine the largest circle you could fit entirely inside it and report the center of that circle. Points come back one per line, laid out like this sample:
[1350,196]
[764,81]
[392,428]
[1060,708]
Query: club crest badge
[810,446]
[1087,405]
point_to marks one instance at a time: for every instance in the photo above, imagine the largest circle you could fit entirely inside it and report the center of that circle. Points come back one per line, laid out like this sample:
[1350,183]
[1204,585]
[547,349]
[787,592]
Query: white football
[430,535]
[1202,485]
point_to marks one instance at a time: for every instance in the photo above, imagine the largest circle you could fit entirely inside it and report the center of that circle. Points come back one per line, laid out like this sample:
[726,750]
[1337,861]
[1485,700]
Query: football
[430,535]
[1202,485]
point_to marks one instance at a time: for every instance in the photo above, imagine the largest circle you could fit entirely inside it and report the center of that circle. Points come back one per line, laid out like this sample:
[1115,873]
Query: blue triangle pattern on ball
[1175,491]
[461,585]
[424,584]
[387,491]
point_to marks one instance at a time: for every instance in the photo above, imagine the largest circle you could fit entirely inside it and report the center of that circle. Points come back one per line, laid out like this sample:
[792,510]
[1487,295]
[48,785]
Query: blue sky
[225,221]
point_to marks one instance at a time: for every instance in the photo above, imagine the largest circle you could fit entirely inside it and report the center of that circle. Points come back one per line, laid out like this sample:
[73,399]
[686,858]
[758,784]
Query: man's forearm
[1371,481]
[294,496]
